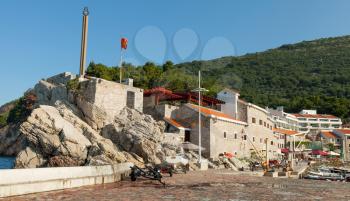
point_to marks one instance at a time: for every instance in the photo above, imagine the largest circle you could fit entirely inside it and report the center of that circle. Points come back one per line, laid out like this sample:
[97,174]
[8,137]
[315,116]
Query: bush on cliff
[22,109]
[3,119]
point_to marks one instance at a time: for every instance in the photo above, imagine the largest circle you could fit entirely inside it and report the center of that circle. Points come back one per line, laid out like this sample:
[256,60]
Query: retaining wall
[24,181]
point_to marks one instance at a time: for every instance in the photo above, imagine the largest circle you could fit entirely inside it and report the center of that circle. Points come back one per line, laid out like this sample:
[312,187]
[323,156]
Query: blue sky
[39,38]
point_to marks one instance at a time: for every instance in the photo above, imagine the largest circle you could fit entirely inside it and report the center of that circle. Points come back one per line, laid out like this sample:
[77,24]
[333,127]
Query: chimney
[129,82]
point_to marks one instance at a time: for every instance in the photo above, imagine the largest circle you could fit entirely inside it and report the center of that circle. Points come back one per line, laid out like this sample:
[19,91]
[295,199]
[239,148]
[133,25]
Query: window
[348,137]
[271,142]
[253,139]
[260,122]
[264,124]
[268,125]
[261,140]
[314,125]
[253,120]
[235,135]
[225,136]
[244,137]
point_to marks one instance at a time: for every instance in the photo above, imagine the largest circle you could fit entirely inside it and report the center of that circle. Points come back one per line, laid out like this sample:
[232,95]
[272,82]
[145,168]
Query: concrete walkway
[208,185]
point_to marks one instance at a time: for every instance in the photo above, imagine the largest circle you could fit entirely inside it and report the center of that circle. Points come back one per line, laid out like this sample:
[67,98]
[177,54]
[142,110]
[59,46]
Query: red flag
[124,43]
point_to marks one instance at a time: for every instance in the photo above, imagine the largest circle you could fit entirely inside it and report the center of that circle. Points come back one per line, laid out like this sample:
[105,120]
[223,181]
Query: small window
[260,122]
[264,124]
[235,135]
[271,142]
[253,120]
[348,137]
[253,139]
[268,125]
[225,136]
[244,137]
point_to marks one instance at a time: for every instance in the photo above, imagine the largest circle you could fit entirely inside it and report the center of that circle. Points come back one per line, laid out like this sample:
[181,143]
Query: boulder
[52,135]
[11,141]
[29,158]
[135,132]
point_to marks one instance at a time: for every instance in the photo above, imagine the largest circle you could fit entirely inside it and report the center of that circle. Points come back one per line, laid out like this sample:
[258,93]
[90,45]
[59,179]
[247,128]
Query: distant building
[283,120]
[311,122]
[344,135]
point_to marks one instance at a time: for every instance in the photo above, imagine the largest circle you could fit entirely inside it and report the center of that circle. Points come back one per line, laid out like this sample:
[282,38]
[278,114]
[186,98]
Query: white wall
[24,181]
[230,106]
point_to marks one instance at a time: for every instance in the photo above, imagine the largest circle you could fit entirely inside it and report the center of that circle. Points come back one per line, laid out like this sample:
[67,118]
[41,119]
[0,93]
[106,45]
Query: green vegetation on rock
[3,119]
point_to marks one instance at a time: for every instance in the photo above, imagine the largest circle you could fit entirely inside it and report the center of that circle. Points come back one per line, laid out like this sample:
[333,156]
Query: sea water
[6,162]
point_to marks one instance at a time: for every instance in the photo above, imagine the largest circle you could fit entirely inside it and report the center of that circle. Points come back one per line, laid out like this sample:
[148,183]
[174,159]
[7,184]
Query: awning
[332,153]
[319,152]
[285,150]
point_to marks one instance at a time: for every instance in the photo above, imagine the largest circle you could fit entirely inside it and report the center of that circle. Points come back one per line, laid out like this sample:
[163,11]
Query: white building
[283,120]
[311,122]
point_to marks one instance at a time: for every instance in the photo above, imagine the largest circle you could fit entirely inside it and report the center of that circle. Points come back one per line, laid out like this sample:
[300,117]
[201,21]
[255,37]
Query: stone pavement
[209,185]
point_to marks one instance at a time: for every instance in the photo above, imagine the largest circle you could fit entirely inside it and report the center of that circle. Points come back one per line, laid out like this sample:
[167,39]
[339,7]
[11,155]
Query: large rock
[83,127]
[52,135]
[11,141]
[29,158]
[135,132]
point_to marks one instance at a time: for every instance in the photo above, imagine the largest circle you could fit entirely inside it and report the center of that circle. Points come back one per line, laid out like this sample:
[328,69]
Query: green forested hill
[311,74]
[307,75]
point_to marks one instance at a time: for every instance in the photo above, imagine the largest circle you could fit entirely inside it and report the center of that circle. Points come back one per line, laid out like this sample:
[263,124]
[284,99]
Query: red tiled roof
[174,123]
[344,131]
[328,116]
[286,132]
[216,113]
[328,134]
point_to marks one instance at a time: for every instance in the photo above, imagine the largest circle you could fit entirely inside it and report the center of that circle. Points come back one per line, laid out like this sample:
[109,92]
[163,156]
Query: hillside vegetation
[307,75]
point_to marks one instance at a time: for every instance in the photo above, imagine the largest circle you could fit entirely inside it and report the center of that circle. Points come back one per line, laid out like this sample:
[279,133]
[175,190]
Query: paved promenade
[210,185]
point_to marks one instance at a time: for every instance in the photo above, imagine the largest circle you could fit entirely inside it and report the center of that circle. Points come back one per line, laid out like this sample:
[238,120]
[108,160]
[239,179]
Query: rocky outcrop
[69,129]
[132,131]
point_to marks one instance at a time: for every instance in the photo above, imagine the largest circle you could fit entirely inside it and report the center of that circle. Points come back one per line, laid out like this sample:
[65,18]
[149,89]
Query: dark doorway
[130,99]
[187,136]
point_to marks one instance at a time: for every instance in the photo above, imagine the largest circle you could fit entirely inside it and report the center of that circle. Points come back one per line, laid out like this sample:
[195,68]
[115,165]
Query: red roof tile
[216,113]
[174,123]
[328,134]
[344,131]
[286,132]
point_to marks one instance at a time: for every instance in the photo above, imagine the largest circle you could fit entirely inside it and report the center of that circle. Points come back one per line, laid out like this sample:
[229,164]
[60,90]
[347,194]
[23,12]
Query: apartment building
[283,120]
[259,129]
[311,122]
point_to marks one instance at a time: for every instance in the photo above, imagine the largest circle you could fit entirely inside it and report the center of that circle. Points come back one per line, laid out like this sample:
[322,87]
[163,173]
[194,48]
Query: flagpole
[120,65]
